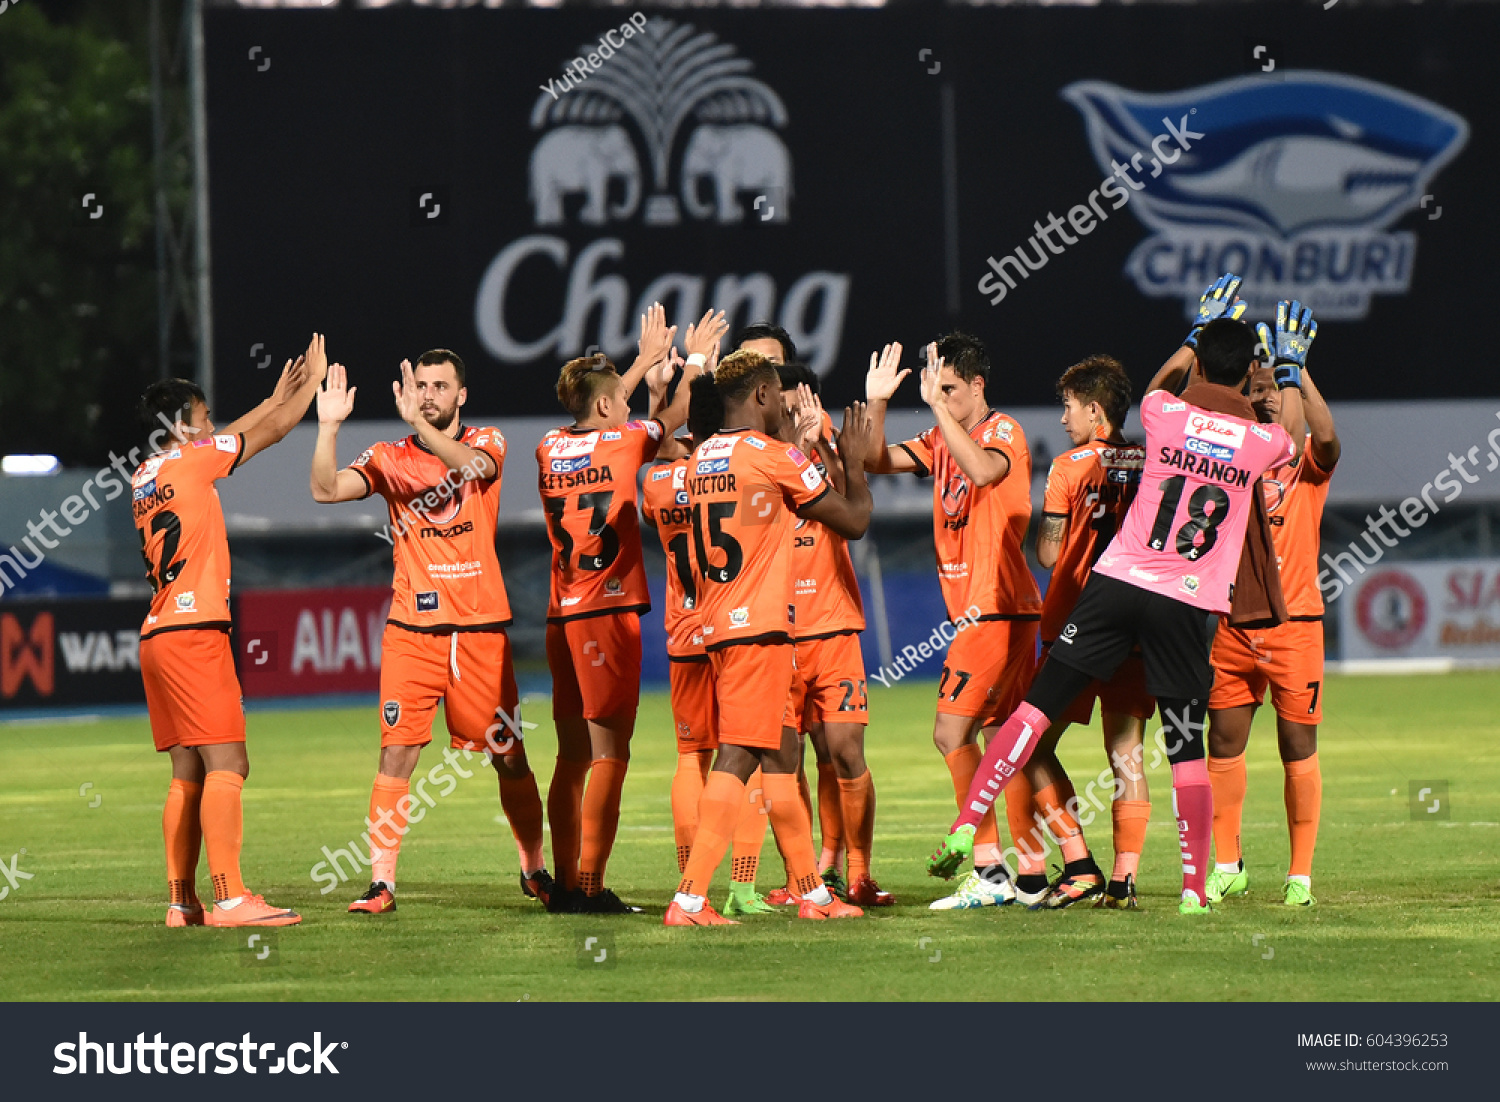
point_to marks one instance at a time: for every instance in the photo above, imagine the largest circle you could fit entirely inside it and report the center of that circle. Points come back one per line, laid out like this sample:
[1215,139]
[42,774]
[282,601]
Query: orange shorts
[192,693]
[471,672]
[1288,659]
[753,685]
[694,709]
[988,669]
[1123,694]
[596,666]
[830,682]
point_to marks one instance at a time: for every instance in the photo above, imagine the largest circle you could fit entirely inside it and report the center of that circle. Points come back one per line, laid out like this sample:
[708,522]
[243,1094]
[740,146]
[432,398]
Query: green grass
[1406,910]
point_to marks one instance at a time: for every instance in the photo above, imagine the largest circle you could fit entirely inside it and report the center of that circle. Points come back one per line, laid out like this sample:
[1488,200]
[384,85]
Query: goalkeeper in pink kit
[1180,559]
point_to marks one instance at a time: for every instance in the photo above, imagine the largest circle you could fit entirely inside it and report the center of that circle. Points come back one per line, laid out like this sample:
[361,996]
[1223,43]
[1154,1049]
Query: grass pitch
[1406,905]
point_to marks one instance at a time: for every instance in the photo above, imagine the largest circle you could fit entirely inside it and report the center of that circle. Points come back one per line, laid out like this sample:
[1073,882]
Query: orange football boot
[377,900]
[836,908]
[676,916]
[249,910]
[866,893]
[183,914]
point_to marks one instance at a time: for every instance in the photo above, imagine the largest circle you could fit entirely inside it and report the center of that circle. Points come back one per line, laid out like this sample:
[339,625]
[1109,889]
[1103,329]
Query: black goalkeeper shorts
[1112,616]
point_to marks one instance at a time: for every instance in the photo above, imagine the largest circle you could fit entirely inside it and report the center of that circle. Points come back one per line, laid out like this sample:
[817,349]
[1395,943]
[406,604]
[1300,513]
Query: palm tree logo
[667,76]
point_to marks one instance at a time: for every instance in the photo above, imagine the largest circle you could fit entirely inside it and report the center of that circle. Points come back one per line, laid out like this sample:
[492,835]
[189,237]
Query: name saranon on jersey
[812,309]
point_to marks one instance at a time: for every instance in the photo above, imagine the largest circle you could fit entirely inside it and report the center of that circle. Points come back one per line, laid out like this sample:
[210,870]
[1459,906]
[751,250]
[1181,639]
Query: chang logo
[669,81]
[673,132]
[1294,185]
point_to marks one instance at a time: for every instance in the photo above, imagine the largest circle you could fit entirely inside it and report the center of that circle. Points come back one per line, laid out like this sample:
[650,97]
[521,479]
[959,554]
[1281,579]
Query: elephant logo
[671,97]
[584,159]
[735,159]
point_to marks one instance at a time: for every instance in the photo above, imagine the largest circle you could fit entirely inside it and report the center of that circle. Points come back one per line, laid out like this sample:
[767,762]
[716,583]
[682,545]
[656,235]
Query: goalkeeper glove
[1288,345]
[1218,301]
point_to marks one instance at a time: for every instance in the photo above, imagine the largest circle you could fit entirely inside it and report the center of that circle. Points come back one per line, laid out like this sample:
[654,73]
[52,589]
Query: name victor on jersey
[1201,464]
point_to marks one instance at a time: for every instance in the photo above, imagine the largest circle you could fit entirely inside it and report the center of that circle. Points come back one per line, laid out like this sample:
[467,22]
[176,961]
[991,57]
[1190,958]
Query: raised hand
[857,438]
[808,419]
[293,378]
[703,338]
[656,336]
[1295,330]
[317,357]
[1218,301]
[335,397]
[408,400]
[883,380]
[932,390]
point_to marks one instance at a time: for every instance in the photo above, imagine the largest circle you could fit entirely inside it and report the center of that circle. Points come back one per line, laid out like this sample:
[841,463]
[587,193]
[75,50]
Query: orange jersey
[827,592]
[442,534]
[1091,486]
[979,529]
[181,526]
[664,500]
[744,487]
[1295,495]
[587,483]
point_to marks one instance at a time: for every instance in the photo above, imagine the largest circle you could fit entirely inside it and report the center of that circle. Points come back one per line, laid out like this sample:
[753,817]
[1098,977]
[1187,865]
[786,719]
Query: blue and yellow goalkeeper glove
[1287,346]
[1218,301]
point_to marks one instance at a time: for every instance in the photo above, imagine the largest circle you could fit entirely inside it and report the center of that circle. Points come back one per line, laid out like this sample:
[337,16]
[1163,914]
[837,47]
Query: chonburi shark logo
[1295,185]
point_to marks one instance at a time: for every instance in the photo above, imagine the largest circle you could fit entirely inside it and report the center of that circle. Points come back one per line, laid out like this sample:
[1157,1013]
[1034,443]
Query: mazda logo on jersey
[955,494]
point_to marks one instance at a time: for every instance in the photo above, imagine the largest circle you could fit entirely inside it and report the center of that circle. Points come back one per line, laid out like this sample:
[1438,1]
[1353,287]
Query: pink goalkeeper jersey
[1186,528]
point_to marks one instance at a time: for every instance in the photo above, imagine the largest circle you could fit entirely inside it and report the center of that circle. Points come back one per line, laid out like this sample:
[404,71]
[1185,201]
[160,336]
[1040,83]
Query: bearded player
[1180,559]
[187,663]
[587,480]
[1287,658]
[445,639]
[1089,491]
[981,508]
[746,487]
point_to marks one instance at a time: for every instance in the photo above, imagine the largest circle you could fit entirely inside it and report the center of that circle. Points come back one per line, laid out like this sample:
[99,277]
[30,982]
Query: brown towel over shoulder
[1257,601]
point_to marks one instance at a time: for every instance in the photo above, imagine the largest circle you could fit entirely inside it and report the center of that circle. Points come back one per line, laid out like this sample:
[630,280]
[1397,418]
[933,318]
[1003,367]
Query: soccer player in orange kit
[445,638]
[587,481]
[744,487]
[187,662]
[1287,659]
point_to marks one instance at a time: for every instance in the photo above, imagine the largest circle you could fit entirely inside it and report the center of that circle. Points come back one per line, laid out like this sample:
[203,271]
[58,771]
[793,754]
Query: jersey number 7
[598,504]
[165,571]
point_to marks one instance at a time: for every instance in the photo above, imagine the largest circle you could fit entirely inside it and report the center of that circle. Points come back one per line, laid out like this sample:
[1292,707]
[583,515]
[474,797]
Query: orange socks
[1304,806]
[601,819]
[750,832]
[687,791]
[565,816]
[793,827]
[223,831]
[184,836]
[1227,778]
[522,804]
[1130,819]
[387,826]
[830,816]
[962,764]
[1025,827]
[858,799]
[1061,824]
[721,808]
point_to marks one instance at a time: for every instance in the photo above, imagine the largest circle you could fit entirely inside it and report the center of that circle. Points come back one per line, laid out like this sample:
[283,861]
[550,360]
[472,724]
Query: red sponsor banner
[292,642]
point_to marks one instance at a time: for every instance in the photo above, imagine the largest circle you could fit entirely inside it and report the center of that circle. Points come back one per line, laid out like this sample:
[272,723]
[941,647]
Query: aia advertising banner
[70,652]
[1425,610]
[296,642]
